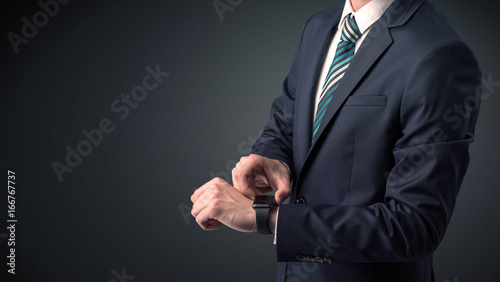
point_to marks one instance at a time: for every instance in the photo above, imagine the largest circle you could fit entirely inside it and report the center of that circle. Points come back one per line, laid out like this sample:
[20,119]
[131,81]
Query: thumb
[281,195]
[282,185]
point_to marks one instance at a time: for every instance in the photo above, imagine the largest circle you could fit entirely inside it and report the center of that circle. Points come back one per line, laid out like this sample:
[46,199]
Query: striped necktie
[341,61]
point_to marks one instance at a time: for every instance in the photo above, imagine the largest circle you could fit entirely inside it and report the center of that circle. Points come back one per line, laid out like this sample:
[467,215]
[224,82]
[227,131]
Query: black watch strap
[262,218]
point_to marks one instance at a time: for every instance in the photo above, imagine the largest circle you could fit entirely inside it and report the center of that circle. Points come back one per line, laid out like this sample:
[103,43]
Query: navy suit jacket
[373,194]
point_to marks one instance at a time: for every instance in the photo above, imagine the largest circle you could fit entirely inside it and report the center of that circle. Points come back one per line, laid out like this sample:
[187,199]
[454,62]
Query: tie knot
[350,31]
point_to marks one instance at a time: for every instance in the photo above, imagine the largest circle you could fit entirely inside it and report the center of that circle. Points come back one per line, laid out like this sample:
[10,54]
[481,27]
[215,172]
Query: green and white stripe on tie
[343,56]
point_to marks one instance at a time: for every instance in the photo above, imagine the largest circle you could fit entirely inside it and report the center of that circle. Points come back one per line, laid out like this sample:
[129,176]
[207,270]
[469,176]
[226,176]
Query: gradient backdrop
[123,211]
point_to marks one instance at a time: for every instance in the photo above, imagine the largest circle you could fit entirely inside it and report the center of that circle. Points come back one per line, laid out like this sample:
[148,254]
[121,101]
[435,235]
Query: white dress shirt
[365,18]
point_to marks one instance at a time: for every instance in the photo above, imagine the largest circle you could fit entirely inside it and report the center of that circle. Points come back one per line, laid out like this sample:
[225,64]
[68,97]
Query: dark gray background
[126,205]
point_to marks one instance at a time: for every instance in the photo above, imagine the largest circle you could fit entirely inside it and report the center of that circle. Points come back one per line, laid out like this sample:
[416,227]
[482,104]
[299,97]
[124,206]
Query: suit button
[301,258]
[300,201]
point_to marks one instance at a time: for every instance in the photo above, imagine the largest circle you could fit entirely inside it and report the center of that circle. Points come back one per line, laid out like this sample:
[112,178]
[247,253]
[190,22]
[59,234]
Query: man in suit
[372,130]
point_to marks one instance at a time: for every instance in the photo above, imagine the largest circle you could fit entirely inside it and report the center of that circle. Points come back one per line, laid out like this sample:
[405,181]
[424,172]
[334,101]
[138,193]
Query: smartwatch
[262,205]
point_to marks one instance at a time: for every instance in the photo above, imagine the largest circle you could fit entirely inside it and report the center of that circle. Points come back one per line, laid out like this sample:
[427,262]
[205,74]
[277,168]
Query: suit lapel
[306,106]
[373,46]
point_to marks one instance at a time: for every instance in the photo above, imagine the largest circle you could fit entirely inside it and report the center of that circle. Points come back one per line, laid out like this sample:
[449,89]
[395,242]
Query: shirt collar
[368,14]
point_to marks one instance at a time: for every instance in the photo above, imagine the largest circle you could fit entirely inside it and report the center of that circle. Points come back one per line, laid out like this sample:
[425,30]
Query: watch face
[262,201]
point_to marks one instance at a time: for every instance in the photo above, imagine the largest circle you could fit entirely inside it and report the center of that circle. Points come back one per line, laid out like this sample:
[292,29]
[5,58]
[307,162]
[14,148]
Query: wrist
[287,167]
[263,204]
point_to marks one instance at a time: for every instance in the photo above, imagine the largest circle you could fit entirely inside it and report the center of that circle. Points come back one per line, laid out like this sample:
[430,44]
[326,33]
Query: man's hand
[257,175]
[216,203]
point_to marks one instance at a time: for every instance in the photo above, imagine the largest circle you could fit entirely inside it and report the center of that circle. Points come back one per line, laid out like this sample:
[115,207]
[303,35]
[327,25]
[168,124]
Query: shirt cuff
[276,226]
[286,166]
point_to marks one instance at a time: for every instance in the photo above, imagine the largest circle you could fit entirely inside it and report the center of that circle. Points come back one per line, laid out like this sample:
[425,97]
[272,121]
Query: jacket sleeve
[438,113]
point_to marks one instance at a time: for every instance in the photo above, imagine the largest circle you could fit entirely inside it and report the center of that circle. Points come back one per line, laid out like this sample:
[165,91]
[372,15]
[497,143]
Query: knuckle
[216,188]
[200,222]
[217,180]
[237,175]
[213,208]
[214,195]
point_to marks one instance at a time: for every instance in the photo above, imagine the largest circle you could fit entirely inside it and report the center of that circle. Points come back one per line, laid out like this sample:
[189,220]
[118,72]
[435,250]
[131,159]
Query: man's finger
[203,188]
[200,204]
[244,177]
[282,179]
[205,220]
[243,159]
[281,195]
[213,224]
[246,184]
[283,189]
[233,173]
[196,194]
